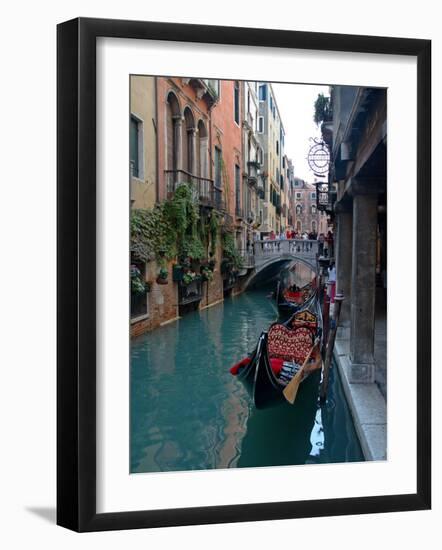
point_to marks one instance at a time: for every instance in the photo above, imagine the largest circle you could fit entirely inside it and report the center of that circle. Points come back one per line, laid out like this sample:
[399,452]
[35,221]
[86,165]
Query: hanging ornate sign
[322,201]
[318,157]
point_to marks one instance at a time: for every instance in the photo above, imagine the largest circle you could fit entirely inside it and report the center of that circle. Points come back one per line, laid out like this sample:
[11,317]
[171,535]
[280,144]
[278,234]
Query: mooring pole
[334,321]
[325,314]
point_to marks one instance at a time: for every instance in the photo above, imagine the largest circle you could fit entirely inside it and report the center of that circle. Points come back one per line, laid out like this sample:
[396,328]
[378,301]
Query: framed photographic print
[243,274]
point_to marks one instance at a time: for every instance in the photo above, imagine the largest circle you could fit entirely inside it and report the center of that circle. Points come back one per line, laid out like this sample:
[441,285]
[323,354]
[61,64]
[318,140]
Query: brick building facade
[184,130]
[226,139]
[307,218]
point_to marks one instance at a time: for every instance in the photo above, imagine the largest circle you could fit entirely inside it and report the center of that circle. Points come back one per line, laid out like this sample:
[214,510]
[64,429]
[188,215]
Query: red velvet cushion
[289,344]
[291,296]
[276,365]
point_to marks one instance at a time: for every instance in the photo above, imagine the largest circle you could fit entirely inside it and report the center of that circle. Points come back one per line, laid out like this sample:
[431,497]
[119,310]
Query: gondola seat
[289,344]
[293,296]
[276,365]
[305,319]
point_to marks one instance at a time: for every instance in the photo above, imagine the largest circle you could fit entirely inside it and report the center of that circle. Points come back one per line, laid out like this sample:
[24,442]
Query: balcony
[205,89]
[253,171]
[207,194]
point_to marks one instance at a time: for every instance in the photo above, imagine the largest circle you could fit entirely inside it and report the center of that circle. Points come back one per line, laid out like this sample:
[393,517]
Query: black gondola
[284,342]
[291,298]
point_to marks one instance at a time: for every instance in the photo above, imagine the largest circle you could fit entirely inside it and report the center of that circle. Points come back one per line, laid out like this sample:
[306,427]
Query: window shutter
[134,147]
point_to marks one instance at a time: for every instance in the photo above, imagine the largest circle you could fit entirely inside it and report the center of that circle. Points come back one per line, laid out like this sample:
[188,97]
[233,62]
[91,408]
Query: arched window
[313,208]
[173,129]
[189,142]
[202,151]
[298,209]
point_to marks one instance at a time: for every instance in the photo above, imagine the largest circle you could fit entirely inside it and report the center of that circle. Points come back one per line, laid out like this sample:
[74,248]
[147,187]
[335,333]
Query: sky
[295,103]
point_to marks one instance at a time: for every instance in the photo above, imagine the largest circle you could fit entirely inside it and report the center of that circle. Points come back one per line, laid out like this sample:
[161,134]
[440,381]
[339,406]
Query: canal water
[189,413]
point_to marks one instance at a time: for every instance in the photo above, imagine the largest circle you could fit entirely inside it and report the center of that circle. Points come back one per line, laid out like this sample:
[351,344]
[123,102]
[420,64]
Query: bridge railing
[270,248]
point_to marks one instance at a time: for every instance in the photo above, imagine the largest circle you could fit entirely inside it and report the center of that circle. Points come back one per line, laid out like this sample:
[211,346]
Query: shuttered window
[263,92]
[218,159]
[236,101]
[237,187]
[134,147]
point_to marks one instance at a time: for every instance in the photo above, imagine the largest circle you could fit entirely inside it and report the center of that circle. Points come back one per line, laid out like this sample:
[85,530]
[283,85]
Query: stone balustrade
[266,250]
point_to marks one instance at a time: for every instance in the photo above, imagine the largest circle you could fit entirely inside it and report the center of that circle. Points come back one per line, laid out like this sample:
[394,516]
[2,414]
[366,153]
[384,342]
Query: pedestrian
[278,238]
[330,242]
[321,240]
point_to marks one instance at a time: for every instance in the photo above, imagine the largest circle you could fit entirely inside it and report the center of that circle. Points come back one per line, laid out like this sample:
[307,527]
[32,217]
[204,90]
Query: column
[192,151]
[363,286]
[343,255]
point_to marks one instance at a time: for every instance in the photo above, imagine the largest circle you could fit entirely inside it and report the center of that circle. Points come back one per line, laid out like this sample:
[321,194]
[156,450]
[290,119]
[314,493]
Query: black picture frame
[76,274]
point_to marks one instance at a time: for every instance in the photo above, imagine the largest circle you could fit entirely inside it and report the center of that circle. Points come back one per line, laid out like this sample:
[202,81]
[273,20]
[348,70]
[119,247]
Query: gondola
[290,299]
[283,348]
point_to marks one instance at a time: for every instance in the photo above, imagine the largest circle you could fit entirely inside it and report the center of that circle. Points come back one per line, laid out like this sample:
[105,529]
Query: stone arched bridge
[265,254]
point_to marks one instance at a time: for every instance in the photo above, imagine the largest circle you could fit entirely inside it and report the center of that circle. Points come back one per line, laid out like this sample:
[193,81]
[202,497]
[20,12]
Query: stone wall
[213,290]
[162,302]
[163,299]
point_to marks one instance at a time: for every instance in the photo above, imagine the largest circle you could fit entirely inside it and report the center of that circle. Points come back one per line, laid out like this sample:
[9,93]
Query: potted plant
[189,277]
[207,274]
[162,276]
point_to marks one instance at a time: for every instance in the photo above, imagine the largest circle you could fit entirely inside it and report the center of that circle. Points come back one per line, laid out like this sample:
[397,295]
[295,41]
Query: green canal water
[189,413]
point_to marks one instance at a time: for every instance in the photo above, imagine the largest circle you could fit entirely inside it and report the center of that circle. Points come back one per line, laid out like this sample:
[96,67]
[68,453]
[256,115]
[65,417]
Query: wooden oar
[291,389]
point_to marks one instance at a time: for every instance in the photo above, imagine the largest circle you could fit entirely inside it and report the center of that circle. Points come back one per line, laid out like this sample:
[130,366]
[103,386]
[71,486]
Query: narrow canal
[189,413]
